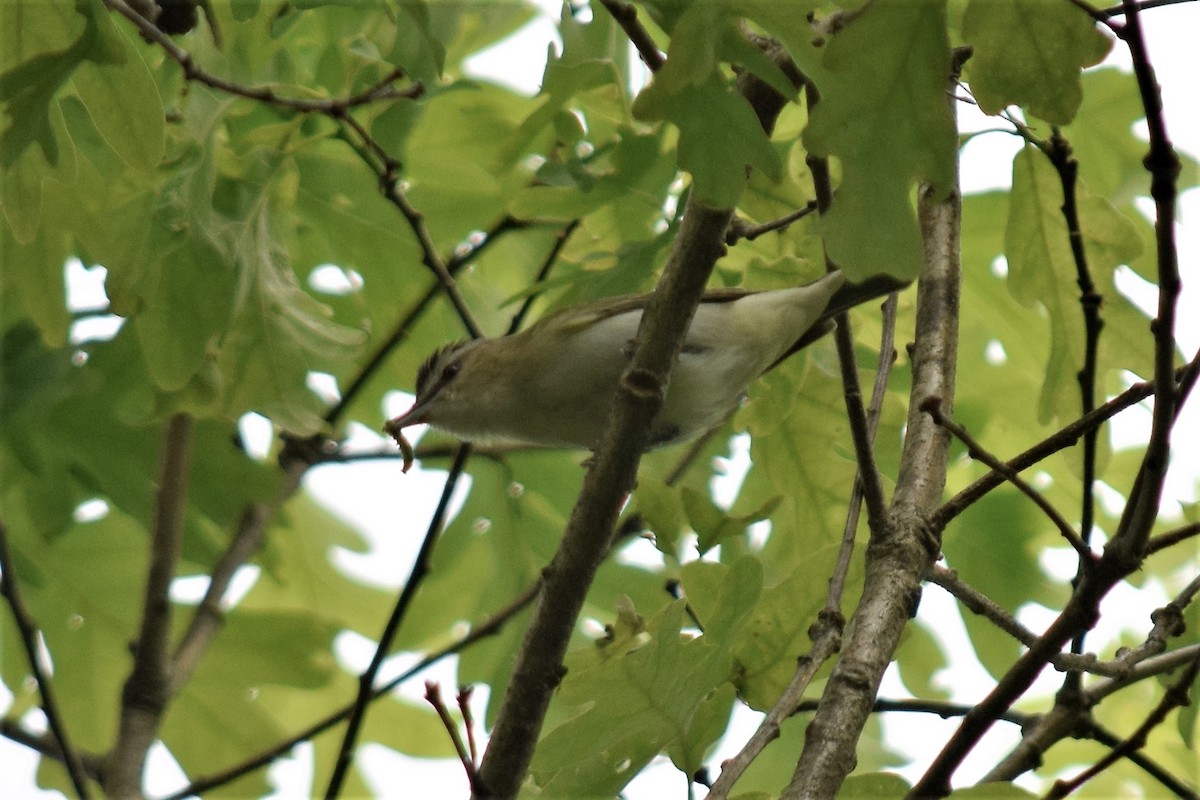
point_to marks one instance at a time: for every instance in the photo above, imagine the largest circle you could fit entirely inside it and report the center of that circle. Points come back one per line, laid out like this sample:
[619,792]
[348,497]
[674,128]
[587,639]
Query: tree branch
[977,452]
[627,17]
[488,627]
[539,661]
[1177,694]
[1125,550]
[420,569]
[1065,437]
[639,396]
[332,106]
[28,629]
[903,545]
[147,690]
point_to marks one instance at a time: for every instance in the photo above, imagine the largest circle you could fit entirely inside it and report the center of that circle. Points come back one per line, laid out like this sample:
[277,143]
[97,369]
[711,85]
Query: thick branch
[904,546]
[147,690]
[538,669]
[1125,550]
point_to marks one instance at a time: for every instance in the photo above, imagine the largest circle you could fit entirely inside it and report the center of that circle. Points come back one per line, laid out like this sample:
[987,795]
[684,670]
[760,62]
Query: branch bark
[147,690]
[538,670]
[905,545]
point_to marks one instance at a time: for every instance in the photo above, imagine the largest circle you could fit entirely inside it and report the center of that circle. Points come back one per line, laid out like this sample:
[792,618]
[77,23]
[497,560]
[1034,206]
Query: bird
[552,384]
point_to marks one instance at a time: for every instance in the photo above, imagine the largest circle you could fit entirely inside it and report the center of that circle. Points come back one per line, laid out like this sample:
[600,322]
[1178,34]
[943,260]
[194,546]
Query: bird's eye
[449,371]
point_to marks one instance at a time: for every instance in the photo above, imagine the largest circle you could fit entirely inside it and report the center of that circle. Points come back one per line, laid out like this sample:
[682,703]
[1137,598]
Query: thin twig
[489,627]
[464,707]
[825,645]
[1065,437]
[740,229]
[1129,541]
[388,170]
[1177,695]
[887,358]
[560,241]
[979,603]
[433,696]
[366,681]
[868,473]
[401,329]
[933,407]
[627,17]
[1172,538]
[27,628]
[334,106]
[1090,300]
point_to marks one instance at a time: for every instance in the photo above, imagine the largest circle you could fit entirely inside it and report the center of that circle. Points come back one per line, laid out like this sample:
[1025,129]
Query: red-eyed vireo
[552,384]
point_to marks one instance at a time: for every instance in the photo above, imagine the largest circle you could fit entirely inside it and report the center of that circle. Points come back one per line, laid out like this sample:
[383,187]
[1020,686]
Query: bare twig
[1177,694]
[334,106]
[740,229]
[366,682]
[147,691]
[488,627]
[1172,538]
[887,358]
[27,628]
[825,645]
[433,696]
[401,329]
[1061,156]
[560,241]
[627,17]
[868,474]
[1065,437]
[933,407]
[388,170]
[463,698]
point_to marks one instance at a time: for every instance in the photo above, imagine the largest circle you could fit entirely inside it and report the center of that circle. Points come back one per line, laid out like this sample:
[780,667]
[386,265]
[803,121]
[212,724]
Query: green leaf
[1042,269]
[123,101]
[646,691]
[719,135]
[78,590]
[920,658]
[883,113]
[774,636]
[278,334]
[874,786]
[1030,53]
[672,689]
[660,507]
[712,524]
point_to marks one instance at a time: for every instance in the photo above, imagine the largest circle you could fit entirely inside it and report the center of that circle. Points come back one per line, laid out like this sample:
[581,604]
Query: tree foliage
[286,190]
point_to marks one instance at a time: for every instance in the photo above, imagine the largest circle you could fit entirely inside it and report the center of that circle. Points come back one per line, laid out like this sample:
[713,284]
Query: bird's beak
[414,416]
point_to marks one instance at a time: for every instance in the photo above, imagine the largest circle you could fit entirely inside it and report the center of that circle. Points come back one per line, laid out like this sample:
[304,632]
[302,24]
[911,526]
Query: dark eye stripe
[425,373]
